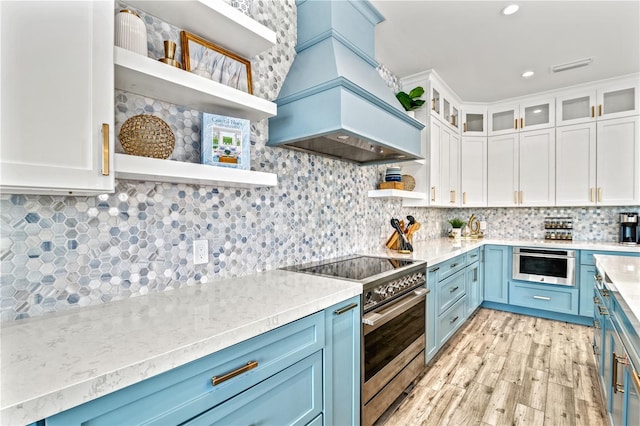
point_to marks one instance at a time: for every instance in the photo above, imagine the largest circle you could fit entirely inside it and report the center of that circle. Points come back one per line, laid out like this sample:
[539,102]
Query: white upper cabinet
[473,171]
[534,114]
[444,105]
[521,169]
[576,165]
[618,162]
[602,102]
[474,120]
[57,97]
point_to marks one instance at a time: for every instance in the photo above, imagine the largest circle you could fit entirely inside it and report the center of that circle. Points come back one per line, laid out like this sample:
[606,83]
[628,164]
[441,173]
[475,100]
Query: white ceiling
[481,54]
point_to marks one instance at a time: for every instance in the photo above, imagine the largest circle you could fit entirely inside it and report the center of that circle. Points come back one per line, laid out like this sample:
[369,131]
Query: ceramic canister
[131,33]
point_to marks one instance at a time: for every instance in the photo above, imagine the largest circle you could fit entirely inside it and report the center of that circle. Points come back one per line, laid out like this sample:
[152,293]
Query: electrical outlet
[200,252]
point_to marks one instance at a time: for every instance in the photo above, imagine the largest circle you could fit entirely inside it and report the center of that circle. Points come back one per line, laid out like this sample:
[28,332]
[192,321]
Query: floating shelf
[213,20]
[395,193]
[156,170]
[144,76]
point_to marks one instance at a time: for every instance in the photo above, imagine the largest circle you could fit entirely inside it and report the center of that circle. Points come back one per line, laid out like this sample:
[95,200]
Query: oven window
[383,344]
[545,266]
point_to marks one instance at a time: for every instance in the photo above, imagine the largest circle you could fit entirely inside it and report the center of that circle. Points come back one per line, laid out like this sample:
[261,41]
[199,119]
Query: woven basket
[409,182]
[147,136]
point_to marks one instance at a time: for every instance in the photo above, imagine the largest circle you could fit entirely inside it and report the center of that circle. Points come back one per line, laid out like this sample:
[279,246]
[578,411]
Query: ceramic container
[130,32]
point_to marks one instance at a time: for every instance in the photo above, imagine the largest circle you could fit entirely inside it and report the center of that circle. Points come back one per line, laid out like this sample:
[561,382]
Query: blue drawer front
[549,298]
[180,394]
[451,266]
[450,321]
[450,290]
[473,256]
[586,256]
[291,397]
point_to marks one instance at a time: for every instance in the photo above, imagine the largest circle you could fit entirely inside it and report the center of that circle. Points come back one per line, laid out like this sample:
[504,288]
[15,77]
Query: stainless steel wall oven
[542,265]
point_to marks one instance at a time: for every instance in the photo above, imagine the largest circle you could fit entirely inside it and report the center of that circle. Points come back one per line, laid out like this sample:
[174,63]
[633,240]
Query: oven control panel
[392,289]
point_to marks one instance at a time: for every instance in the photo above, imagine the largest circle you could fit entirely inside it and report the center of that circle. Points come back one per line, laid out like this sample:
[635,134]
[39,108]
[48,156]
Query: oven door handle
[548,256]
[373,320]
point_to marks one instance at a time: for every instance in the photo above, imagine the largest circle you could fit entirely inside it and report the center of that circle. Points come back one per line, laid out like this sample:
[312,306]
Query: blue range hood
[333,101]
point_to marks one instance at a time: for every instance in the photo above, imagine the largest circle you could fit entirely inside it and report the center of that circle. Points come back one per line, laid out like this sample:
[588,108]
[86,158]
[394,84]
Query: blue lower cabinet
[585,284]
[553,298]
[473,281]
[431,313]
[291,397]
[450,290]
[451,321]
[296,374]
[343,323]
[497,260]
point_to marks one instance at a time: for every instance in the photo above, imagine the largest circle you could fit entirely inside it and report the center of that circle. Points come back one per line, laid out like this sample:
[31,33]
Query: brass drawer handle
[617,359]
[603,310]
[345,309]
[105,149]
[215,380]
[454,319]
[593,111]
[636,379]
[464,126]
[596,301]
[596,324]
[600,110]
[522,123]
[454,289]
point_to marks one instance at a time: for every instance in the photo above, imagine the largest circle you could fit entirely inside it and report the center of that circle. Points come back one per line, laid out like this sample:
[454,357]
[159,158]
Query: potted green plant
[410,101]
[457,224]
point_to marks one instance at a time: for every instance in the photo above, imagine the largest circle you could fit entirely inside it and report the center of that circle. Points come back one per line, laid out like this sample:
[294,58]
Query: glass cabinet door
[446,110]
[618,100]
[537,114]
[474,120]
[454,117]
[575,107]
[435,101]
[503,120]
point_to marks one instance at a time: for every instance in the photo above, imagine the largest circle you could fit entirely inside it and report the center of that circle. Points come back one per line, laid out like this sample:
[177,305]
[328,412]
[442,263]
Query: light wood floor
[507,369]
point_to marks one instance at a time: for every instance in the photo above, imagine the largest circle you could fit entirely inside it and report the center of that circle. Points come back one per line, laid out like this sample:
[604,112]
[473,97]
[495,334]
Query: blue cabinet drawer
[472,256]
[586,256]
[291,397]
[450,290]
[451,320]
[451,266]
[184,392]
[546,297]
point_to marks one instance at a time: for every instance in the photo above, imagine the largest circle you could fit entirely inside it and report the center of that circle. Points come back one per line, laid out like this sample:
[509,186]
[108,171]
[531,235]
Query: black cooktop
[354,268]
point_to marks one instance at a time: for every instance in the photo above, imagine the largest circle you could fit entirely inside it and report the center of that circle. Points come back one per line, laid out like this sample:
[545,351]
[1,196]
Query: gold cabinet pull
[596,324]
[433,104]
[521,197]
[592,195]
[636,380]
[516,124]
[521,123]
[215,380]
[464,197]
[453,198]
[593,111]
[599,194]
[515,197]
[105,149]
[617,359]
[345,309]
[600,110]
[603,311]
[464,127]
[433,193]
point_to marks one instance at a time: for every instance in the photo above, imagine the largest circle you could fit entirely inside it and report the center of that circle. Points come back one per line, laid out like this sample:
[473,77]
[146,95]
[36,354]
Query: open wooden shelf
[396,193]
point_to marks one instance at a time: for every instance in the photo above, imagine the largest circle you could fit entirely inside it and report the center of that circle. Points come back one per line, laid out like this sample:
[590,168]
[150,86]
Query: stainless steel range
[393,332]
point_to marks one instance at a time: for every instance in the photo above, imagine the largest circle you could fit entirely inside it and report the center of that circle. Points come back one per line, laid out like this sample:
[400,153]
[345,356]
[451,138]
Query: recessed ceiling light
[527,74]
[510,9]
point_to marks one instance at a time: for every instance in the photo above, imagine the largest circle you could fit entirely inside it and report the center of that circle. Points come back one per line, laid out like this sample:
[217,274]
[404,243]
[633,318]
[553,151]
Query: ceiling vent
[571,65]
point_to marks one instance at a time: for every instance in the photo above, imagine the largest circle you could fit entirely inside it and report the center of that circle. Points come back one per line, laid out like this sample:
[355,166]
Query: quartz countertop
[58,361]
[441,249]
[622,274]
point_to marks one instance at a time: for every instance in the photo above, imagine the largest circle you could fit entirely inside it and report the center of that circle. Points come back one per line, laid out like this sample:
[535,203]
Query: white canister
[131,33]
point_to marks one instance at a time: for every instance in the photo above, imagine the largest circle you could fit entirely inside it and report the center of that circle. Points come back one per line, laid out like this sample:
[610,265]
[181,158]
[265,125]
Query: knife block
[395,239]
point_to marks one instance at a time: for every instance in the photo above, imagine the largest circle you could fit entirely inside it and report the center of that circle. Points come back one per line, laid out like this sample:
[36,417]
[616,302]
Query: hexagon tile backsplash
[61,252]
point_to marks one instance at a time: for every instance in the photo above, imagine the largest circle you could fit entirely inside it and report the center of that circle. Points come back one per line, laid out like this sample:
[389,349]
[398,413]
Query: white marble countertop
[58,361]
[622,274]
[439,250]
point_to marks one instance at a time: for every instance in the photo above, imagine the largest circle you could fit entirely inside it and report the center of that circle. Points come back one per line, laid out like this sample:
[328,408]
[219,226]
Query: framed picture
[225,141]
[204,58]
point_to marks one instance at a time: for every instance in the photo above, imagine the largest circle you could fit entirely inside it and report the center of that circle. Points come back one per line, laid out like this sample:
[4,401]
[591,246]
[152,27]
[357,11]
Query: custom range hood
[333,101]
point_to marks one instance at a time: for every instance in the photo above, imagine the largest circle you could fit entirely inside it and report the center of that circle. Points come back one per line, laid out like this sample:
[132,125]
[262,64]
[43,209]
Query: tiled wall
[61,252]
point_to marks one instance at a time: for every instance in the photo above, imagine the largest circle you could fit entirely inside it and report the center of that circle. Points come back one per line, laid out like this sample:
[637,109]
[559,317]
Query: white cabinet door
[576,107]
[503,119]
[473,171]
[537,168]
[474,120]
[618,162]
[57,92]
[502,170]
[537,114]
[618,99]
[576,165]
[454,168]
[435,191]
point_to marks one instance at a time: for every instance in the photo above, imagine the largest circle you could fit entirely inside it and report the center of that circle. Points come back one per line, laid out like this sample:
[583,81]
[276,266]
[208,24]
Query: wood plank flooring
[507,369]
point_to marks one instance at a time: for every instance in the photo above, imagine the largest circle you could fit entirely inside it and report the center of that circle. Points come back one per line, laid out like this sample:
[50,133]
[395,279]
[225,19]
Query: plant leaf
[405,100]
[416,92]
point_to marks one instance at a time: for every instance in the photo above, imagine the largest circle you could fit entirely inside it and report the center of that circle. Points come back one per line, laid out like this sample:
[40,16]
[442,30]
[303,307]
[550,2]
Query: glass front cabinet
[474,120]
[534,114]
